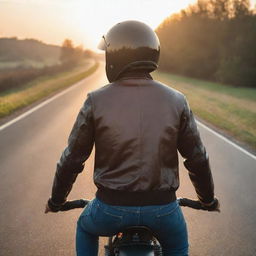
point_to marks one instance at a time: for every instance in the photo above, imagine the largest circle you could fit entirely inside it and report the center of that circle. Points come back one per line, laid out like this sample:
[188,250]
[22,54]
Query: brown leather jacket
[138,125]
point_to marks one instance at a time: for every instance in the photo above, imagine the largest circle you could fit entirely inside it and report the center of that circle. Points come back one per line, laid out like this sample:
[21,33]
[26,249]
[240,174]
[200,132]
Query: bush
[15,78]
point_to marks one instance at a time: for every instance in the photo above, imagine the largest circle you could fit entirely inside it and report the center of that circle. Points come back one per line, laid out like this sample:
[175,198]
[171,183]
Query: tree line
[213,40]
[68,56]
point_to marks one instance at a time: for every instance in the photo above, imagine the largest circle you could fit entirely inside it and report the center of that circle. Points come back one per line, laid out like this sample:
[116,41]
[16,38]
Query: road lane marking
[41,105]
[227,140]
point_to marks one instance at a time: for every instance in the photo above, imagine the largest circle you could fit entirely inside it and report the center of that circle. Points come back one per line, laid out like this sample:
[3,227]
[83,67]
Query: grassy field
[42,87]
[231,109]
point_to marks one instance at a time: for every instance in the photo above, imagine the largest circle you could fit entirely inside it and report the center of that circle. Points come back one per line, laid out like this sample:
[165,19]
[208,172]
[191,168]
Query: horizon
[58,20]
[85,26]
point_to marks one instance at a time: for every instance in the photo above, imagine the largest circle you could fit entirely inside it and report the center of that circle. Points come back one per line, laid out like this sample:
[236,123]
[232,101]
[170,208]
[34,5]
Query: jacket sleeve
[196,159]
[71,163]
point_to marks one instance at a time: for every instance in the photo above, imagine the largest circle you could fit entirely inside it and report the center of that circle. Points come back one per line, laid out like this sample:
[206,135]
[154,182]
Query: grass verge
[41,87]
[231,109]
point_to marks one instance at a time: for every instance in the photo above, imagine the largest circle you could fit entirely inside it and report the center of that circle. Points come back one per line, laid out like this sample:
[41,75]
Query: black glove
[214,206]
[52,207]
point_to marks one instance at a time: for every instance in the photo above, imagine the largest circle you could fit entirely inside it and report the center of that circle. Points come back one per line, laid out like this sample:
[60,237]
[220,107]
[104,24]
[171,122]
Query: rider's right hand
[214,206]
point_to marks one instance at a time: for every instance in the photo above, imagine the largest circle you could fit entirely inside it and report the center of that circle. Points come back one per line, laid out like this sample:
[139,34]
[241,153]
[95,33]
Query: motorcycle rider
[137,125]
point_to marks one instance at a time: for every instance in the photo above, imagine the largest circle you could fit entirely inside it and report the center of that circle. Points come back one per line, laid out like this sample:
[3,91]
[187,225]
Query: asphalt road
[31,147]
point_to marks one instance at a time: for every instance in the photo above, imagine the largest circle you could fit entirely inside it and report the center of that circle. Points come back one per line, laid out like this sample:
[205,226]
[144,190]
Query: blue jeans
[100,219]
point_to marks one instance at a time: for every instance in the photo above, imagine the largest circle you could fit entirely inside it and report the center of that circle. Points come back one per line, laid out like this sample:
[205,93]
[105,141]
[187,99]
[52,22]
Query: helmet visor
[103,44]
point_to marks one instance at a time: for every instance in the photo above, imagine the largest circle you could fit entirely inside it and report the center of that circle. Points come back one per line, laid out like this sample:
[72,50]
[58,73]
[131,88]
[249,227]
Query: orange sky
[84,21]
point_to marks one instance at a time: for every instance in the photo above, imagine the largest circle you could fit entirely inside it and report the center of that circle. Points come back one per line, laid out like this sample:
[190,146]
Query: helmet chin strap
[146,65]
[139,65]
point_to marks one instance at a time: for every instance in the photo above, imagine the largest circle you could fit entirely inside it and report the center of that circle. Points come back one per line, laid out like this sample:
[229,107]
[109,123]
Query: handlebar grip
[69,205]
[195,204]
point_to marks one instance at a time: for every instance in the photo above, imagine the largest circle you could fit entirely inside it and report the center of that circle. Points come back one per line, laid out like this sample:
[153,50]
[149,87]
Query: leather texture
[137,125]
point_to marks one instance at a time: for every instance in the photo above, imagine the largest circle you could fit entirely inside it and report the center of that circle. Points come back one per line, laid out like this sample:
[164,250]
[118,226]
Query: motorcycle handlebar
[81,203]
[186,202]
[69,205]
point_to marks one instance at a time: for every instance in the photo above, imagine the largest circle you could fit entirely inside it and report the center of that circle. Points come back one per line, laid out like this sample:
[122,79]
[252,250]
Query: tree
[213,39]
[67,52]
[70,55]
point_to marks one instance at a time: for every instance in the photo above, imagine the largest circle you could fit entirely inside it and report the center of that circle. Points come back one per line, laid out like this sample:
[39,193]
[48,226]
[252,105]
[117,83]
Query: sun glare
[83,21]
[91,23]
